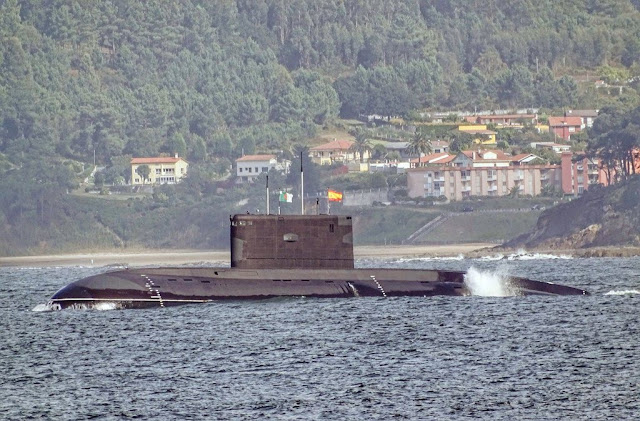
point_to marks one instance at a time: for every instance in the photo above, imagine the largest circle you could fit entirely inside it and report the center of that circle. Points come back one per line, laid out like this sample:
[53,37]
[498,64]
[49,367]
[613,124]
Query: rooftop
[157,160]
[333,145]
[265,157]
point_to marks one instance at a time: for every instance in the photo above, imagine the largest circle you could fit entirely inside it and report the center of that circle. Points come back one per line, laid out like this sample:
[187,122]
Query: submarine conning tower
[291,242]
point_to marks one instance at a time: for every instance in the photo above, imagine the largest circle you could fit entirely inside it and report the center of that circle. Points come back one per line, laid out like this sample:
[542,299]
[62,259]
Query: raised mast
[267,195]
[301,186]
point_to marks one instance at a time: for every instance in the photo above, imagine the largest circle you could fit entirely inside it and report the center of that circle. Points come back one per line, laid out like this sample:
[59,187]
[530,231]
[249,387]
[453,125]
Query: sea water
[491,356]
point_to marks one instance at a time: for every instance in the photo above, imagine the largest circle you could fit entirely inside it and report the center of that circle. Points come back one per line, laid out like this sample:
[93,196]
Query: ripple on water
[476,357]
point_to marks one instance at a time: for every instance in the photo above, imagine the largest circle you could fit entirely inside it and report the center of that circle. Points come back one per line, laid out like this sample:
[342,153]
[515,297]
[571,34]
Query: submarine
[277,256]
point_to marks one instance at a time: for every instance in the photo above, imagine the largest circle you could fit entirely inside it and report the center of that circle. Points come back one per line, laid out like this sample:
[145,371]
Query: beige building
[336,151]
[456,183]
[163,170]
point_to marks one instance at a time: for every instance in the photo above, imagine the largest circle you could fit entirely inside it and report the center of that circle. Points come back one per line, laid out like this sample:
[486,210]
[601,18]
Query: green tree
[420,144]
[361,144]
[143,171]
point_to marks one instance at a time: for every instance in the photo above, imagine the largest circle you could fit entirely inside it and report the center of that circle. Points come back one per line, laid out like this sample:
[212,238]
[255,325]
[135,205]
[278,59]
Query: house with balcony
[508,120]
[336,151]
[442,158]
[565,127]
[587,116]
[481,158]
[162,170]
[249,167]
[481,136]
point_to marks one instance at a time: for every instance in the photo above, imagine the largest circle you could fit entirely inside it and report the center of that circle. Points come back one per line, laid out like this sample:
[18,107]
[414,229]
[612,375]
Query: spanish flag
[334,196]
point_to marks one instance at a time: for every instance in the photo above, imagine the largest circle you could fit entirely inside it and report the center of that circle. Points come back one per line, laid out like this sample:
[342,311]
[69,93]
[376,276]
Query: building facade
[565,127]
[249,167]
[336,151]
[578,176]
[457,183]
[162,170]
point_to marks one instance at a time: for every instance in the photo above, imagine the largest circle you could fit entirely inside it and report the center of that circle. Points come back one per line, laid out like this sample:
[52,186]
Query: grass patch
[391,225]
[483,227]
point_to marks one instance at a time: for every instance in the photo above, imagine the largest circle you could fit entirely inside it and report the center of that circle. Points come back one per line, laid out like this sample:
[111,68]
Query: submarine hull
[277,256]
[163,287]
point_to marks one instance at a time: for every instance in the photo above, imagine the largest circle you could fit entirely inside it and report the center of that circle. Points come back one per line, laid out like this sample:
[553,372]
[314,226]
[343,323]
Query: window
[240,169]
[249,169]
[265,169]
[256,169]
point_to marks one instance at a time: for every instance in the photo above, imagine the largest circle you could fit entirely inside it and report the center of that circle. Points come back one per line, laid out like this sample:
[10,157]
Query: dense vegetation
[101,81]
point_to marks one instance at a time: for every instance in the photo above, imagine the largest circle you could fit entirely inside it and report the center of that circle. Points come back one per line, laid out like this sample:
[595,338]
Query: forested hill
[210,79]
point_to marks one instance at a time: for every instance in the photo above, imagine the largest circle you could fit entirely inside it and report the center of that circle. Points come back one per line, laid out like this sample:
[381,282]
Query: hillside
[210,80]
[86,84]
[602,217]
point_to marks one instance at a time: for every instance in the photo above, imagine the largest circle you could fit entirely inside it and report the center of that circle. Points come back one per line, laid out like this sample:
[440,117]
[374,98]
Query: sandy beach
[181,257]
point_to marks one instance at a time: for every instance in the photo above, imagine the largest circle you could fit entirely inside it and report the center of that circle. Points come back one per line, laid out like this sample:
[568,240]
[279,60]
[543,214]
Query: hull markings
[373,277]
[150,286]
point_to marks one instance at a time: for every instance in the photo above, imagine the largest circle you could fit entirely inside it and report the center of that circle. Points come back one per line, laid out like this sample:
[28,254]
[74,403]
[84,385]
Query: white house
[249,167]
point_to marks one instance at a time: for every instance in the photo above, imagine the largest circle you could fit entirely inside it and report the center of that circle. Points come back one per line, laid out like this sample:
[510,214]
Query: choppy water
[461,358]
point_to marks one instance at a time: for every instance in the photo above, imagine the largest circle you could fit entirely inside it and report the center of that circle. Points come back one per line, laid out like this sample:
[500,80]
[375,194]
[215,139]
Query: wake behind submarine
[277,256]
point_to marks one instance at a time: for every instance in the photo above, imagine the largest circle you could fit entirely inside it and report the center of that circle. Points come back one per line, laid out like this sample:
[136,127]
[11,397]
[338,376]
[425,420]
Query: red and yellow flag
[334,196]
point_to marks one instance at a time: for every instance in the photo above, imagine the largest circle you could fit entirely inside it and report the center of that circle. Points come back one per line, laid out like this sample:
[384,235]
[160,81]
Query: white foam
[429,259]
[524,255]
[46,307]
[489,283]
[98,306]
[623,292]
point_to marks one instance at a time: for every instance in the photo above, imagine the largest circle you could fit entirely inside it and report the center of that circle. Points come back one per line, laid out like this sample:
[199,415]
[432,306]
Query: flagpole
[301,186]
[267,195]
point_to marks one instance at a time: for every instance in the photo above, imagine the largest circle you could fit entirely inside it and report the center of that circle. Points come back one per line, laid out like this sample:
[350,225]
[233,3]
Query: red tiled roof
[157,160]
[334,145]
[500,155]
[265,157]
[564,121]
[435,158]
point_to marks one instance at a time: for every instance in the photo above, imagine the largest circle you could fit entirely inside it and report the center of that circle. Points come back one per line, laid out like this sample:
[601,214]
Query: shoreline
[182,257]
[222,257]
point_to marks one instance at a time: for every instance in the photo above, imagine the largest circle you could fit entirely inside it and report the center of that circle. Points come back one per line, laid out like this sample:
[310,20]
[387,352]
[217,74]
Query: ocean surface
[455,358]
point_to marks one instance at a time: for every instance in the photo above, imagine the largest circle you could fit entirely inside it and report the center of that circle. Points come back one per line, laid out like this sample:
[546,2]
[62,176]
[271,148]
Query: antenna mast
[267,195]
[301,186]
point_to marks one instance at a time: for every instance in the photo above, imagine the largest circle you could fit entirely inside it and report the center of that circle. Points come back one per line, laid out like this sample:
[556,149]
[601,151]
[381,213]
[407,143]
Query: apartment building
[578,176]
[457,183]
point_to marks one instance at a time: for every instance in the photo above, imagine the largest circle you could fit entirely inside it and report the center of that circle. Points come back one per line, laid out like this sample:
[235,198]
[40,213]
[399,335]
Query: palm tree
[361,144]
[419,145]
